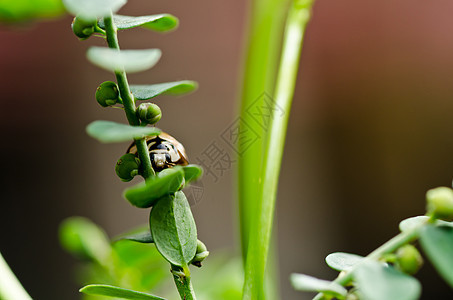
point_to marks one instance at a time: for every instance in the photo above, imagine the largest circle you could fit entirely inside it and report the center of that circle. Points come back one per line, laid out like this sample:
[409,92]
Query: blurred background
[370,131]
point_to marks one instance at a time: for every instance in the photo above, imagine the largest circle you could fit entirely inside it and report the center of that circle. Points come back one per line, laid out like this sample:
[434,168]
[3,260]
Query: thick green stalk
[128,100]
[267,18]
[10,287]
[390,246]
[258,247]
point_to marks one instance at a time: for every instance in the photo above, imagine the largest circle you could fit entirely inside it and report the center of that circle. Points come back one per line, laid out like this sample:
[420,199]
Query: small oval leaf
[437,243]
[192,173]
[93,9]
[161,22]
[419,221]
[341,261]
[125,60]
[114,291]
[376,281]
[147,193]
[173,229]
[145,92]
[112,132]
[444,223]
[307,283]
[142,236]
[85,239]
[412,223]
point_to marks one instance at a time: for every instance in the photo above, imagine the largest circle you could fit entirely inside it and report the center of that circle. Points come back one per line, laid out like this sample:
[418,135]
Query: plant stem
[258,247]
[128,100]
[183,283]
[390,246]
[10,287]
[267,18]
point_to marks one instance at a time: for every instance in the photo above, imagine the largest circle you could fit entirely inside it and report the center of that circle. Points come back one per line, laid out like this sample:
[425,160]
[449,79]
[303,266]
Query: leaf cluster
[387,273]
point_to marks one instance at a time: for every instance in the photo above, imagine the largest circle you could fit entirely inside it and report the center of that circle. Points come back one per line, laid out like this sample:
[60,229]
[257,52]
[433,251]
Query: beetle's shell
[164,151]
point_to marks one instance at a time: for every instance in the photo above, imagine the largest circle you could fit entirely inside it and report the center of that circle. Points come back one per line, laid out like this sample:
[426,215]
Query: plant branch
[128,100]
[10,287]
[181,276]
[390,246]
[258,247]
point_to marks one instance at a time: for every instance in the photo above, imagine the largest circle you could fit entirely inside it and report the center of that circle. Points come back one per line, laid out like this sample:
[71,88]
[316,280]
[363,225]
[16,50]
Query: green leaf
[162,22]
[341,261]
[133,254]
[145,92]
[192,173]
[147,193]
[376,281]
[85,239]
[112,132]
[93,9]
[412,223]
[173,228]
[142,236]
[307,283]
[125,60]
[444,223]
[437,243]
[113,291]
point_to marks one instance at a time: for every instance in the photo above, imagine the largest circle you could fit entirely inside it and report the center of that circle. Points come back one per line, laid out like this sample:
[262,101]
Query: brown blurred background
[370,131]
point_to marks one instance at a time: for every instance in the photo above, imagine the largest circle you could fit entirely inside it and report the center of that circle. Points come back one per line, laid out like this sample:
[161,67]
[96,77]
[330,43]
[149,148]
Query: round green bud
[149,113]
[440,203]
[127,167]
[83,29]
[201,254]
[352,296]
[107,94]
[201,247]
[408,259]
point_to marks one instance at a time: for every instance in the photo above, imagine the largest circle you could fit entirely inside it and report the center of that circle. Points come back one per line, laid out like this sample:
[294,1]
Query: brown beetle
[164,151]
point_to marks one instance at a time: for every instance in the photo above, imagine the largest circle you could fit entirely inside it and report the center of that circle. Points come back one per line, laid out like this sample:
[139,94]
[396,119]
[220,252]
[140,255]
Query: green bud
[201,247]
[408,259]
[107,94]
[149,113]
[352,296]
[440,203]
[202,253]
[127,167]
[83,29]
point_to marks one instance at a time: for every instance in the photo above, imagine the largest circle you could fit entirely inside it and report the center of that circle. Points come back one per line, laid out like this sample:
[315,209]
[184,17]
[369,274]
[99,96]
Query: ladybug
[164,151]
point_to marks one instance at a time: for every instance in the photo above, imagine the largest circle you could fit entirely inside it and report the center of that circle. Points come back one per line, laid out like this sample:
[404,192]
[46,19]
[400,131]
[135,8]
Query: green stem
[10,287]
[258,247]
[267,18]
[390,246]
[183,282]
[128,100]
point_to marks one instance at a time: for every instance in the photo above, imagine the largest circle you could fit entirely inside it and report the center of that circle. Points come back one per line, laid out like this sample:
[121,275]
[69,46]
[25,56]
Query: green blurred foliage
[13,11]
[140,267]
